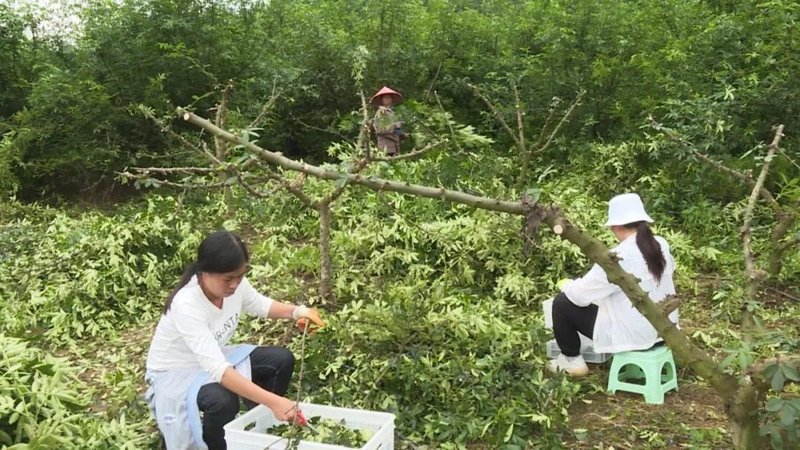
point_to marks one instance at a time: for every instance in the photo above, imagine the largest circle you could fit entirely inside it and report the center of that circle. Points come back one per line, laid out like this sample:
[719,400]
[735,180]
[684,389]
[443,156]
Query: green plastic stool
[647,364]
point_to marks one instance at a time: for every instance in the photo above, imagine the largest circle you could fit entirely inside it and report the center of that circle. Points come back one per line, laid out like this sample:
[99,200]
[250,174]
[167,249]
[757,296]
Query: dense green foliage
[68,102]
[42,405]
[92,272]
[436,310]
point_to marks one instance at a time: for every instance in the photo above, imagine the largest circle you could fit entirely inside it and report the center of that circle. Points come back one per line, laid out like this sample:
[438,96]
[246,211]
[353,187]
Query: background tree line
[68,101]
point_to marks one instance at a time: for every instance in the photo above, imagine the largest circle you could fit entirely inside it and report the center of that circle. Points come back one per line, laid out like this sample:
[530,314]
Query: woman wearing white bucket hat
[598,309]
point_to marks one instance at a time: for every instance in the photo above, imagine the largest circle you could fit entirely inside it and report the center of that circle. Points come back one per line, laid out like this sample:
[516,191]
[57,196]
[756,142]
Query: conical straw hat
[386,91]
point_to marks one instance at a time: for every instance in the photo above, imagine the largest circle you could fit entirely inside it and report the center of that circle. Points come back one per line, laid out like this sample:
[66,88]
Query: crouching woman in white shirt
[189,366]
[598,309]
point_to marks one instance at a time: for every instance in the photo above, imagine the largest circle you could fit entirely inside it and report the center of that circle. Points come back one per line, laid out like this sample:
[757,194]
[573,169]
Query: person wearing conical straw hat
[387,127]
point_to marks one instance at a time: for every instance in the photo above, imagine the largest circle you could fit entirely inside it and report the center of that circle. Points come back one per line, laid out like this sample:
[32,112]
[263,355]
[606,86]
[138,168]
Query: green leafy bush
[454,367]
[44,406]
[80,276]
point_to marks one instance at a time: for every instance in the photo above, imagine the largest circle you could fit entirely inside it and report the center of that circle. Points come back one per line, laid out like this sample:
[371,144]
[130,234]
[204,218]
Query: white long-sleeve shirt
[192,333]
[620,327]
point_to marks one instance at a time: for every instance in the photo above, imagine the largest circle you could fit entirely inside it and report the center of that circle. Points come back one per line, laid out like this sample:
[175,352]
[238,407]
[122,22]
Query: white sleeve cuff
[219,371]
[300,312]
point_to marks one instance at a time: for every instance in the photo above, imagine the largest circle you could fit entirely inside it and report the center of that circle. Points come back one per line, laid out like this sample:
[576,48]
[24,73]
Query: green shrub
[70,277]
[454,367]
[44,406]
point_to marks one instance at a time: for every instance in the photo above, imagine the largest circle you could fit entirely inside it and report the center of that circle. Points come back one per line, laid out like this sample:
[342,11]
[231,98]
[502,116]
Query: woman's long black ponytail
[650,248]
[190,271]
[221,252]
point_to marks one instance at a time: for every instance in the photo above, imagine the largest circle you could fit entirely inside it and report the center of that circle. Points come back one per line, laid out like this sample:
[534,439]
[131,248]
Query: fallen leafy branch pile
[327,431]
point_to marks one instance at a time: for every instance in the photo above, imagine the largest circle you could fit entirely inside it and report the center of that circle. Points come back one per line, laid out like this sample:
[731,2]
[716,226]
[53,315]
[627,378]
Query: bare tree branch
[364,135]
[790,243]
[498,116]
[324,130]
[162,182]
[547,122]
[372,182]
[252,191]
[339,190]
[670,304]
[449,124]
[538,147]
[785,294]
[746,177]
[564,119]
[754,276]
[520,113]
[273,97]
[183,170]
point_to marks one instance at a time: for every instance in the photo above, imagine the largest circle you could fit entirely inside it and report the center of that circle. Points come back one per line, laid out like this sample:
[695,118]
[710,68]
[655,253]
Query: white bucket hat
[626,208]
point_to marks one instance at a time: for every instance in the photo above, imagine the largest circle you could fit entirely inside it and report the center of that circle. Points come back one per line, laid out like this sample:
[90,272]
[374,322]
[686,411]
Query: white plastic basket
[587,351]
[260,418]
[547,308]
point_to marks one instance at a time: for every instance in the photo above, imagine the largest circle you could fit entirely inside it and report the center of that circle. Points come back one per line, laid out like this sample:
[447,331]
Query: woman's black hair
[221,252]
[650,248]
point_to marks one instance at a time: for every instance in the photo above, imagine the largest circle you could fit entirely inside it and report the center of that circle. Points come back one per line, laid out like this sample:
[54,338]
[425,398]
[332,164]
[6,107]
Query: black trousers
[568,321]
[271,368]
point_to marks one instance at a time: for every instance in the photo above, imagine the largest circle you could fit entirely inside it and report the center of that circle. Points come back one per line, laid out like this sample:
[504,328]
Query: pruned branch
[520,123]
[753,276]
[183,170]
[785,294]
[222,108]
[790,243]
[540,147]
[339,190]
[526,152]
[447,119]
[282,184]
[161,182]
[498,116]
[785,216]
[547,122]
[273,97]
[743,176]
[315,128]
[669,304]
[371,182]
[364,134]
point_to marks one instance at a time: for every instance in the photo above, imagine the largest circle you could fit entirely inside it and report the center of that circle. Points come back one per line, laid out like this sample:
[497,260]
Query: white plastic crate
[547,307]
[248,431]
[587,351]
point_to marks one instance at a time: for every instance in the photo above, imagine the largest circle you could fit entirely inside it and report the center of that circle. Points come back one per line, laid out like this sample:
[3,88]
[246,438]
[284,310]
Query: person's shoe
[575,367]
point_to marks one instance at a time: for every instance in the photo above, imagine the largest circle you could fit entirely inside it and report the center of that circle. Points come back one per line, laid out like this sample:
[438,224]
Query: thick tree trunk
[744,419]
[326,267]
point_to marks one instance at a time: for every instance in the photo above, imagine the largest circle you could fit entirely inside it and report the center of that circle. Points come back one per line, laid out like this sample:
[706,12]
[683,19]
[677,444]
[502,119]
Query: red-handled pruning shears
[301,420]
